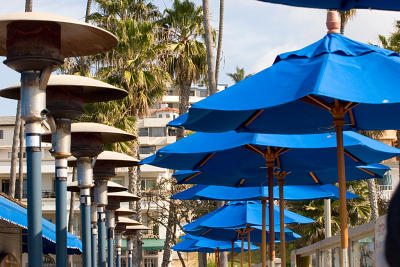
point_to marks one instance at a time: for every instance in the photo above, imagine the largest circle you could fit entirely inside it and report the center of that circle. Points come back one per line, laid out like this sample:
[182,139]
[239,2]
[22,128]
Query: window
[167,115]
[147,149]
[191,93]
[144,132]
[5,185]
[1,134]
[171,132]
[147,184]
[174,116]
[159,115]
[157,131]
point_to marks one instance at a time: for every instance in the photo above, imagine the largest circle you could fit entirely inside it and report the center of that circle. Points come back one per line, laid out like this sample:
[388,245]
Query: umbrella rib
[347,153]
[255,149]
[251,118]
[368,171]
[204,160]
[316,101]
[191,176]
[312,174]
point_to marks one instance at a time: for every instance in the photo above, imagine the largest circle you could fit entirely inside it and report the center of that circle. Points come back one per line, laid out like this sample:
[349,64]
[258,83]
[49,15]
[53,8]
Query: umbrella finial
[333,21]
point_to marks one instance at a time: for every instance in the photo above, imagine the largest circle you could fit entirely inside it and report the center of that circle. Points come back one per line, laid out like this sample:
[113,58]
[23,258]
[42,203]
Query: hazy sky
[254,32]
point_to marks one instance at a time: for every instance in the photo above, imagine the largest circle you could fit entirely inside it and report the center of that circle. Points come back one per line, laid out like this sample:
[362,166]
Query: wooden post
[264,233]
[249,246]
[270,166]
[281,178]
[242,249]
[216,257]
[339,121]
[233,252]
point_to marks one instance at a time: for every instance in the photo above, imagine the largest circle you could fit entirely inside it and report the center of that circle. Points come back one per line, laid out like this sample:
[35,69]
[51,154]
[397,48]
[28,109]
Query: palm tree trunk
[14,153]
[169,235]
[21,161]
[88,10]
[372,195]
[209,47]
[219,47]
[134,188]
[184,95]
[28,6]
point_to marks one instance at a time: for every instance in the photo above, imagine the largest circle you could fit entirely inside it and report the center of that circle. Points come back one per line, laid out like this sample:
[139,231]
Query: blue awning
[14,213]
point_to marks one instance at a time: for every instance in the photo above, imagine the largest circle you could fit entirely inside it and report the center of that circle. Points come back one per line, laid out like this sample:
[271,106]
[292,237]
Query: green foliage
[239,75]
[183,24]
[393,41]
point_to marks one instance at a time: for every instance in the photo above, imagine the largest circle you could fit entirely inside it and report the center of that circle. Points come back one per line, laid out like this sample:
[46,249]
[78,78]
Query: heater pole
[85,181]
[61,142]
[33,103]
[101,225]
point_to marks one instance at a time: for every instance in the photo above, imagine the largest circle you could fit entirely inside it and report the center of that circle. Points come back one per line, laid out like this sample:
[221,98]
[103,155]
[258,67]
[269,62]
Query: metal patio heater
[114,203]
[120,227]
[65,96]
[130,233]
[87,140]
[104,169]
[96,230]
[35,44]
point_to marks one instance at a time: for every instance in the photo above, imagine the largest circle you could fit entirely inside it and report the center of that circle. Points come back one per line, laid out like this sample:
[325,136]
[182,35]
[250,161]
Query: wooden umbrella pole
[270,165]
[233,251]
[249,246]
[216,257]
[242,250]
[264,233]
[281,178]
[339,121]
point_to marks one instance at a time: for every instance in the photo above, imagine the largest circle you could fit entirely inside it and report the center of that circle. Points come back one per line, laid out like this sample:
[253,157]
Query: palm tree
[17,127]
[88,9]
[220,32]
[239,75]
[187,62]
[345,16]
[137,65]
[212,86]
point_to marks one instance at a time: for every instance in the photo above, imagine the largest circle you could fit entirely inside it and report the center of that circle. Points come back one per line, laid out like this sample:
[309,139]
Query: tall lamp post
[35,44]
[65,96]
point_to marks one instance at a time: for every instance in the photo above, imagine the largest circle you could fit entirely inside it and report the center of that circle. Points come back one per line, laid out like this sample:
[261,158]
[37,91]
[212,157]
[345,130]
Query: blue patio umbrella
[239,214]
[244,156]
[238,180]
[341,4]
[233,234]
[200,244]
[290,192]
[335,83]
[242,217]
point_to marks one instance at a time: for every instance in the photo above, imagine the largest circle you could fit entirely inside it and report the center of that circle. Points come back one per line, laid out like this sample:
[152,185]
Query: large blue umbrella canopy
[232,234]
[341,4]
[231,154]
[239,214]
[234,179]
[296,93]
[192,243]
[291,192]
